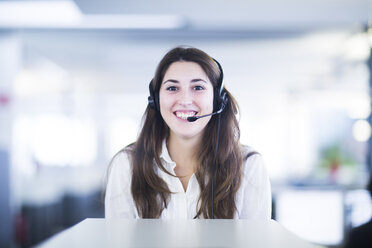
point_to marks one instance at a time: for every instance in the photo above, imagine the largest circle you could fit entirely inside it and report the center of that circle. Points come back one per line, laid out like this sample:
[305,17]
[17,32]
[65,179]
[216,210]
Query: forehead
[185,69]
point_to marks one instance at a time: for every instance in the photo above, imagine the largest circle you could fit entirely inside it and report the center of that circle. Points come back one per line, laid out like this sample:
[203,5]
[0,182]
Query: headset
[220,97]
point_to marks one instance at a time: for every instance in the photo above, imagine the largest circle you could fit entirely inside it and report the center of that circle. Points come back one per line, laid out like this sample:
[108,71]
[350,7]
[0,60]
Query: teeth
[184,116]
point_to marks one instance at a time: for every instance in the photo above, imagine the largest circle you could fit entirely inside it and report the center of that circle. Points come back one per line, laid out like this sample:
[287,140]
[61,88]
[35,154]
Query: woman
[179,166]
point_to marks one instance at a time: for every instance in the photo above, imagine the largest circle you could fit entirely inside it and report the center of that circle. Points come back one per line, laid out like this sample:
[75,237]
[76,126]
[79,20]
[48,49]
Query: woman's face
[185,91]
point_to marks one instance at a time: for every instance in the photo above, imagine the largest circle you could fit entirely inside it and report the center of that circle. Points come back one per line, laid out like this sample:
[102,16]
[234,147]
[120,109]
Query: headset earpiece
[153,99]
[220,96]
[224,99]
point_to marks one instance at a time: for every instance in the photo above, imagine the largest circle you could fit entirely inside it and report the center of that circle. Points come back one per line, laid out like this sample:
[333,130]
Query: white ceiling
[191,15]
[286,44]
[115,62]
[243,14]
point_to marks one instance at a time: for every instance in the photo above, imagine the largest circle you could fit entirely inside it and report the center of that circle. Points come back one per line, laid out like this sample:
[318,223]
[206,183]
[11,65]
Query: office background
[74,83]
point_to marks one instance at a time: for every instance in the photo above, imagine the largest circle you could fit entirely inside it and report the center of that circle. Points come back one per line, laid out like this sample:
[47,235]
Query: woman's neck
[183,152]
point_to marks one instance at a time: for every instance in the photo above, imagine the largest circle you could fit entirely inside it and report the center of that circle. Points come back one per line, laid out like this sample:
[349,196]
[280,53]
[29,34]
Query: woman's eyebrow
[198,80]
[171,81]
[192,80]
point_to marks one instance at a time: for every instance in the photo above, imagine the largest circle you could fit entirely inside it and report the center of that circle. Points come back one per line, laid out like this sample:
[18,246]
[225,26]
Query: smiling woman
[186,91]
[180,168]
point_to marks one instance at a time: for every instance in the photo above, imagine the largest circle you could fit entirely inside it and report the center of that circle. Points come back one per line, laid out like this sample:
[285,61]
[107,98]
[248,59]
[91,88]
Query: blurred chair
[361,236]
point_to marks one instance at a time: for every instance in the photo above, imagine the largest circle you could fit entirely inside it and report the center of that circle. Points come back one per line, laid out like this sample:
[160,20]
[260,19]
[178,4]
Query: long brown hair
[150,193]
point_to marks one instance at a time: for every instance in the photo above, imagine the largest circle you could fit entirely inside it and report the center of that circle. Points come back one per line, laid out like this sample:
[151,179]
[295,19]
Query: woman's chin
[188,135]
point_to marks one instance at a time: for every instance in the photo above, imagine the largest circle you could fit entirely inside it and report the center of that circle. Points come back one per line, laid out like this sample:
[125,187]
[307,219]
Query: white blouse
[253,199]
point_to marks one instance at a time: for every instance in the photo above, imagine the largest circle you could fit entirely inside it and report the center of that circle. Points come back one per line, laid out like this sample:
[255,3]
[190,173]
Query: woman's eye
[172,88]
[198,87]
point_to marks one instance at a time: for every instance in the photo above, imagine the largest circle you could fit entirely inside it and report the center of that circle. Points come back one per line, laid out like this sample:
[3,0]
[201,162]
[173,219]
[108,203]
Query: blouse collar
[169,163]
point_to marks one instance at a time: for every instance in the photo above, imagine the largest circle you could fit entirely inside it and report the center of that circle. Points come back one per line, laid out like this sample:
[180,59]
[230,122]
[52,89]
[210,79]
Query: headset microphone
[223,104]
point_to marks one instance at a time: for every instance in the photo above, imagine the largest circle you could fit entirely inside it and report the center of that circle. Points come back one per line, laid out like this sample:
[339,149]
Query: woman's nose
[185,97]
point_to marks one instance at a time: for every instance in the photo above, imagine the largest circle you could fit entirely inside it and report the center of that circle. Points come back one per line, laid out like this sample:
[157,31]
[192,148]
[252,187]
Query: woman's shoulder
[253,165]
[119,171]
[248,152]
[121,160]
[255,187]
[118,177]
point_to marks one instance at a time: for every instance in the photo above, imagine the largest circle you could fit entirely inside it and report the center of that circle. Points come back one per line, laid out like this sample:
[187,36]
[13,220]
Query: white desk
[176,233]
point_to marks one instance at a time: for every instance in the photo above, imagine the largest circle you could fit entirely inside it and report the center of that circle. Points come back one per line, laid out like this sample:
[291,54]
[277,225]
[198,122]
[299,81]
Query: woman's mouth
[183,115]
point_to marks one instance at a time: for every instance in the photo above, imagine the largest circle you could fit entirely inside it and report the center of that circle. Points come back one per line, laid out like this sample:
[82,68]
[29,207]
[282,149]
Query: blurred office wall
[10,60]
[78,89]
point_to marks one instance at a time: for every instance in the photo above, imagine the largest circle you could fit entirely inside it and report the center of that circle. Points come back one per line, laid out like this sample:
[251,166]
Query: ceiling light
[16,14]
[132,22]
[65,14]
